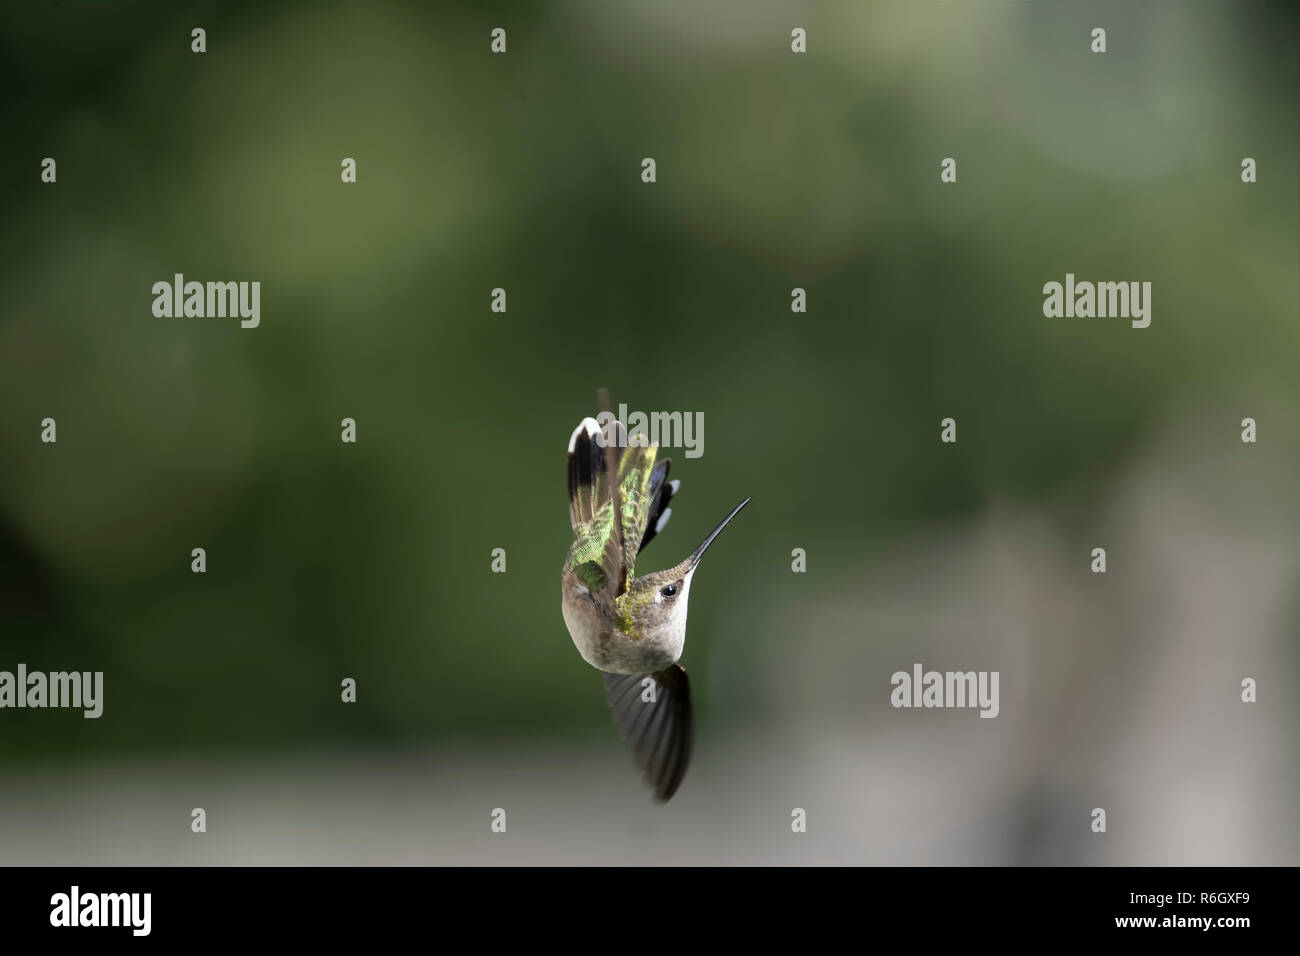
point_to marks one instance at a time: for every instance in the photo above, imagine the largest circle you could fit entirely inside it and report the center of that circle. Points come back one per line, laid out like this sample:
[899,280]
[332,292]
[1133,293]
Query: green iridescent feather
[594,541]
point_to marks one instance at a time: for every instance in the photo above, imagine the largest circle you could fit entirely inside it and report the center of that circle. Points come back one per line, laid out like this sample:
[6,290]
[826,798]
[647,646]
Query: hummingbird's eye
[669,591]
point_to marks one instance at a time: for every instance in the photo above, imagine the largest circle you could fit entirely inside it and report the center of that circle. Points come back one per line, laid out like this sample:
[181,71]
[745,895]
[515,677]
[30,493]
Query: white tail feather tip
[663,520]
[589,426]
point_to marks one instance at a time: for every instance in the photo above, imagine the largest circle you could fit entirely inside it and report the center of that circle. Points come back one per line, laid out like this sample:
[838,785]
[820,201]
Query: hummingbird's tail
[661,492]
[589,487]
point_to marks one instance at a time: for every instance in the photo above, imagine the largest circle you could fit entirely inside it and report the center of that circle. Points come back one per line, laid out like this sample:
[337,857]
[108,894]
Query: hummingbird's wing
[653,713]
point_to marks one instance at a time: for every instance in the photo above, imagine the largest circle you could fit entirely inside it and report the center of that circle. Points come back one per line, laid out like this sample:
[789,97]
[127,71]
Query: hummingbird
[632,629]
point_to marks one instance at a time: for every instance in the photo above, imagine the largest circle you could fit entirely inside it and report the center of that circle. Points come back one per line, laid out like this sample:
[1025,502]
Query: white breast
[608,649]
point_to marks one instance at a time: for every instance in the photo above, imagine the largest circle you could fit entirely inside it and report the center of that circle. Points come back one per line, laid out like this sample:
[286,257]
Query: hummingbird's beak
[699,552]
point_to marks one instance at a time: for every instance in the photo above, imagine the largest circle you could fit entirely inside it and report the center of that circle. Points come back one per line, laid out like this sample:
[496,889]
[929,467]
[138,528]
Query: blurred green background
[775,170]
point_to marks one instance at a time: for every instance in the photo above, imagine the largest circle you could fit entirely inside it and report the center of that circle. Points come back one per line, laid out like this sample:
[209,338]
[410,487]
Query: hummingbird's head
[655,604]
